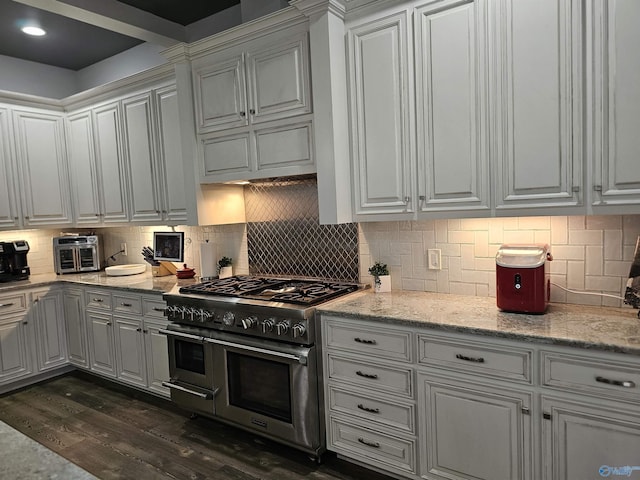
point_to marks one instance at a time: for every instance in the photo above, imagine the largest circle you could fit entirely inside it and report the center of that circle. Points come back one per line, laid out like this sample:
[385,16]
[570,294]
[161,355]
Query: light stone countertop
[599,328]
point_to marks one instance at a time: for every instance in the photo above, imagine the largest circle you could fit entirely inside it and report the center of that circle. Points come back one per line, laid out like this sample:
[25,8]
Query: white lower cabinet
[47,316]
[473,430]
[15,354]
[589,439]
[76,327]
[102,348]
[124,338]
[417,403]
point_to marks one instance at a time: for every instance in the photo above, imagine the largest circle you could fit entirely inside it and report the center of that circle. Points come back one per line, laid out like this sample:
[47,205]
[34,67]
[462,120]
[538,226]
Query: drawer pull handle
[126,304]
[367,409]
[617,383]
[6,304]
[99,300]
[368,443]
[470,359]
[158,309]
[365,341]
[366,375]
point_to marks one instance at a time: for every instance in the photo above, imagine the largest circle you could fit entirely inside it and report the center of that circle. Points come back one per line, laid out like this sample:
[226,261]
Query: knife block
[164,269]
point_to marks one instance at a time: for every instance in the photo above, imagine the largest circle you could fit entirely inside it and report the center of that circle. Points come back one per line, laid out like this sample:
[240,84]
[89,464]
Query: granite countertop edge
[609,329]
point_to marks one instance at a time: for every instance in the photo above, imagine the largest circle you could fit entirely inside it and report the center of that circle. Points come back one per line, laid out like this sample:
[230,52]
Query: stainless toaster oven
[77,253]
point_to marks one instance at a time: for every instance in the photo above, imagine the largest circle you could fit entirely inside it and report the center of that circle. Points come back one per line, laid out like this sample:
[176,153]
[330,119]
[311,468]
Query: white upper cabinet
[42,167]
[9,203]
[110,161]
[253,86]
[615,98]
[170,167]
[380,101]
[253,108]
[83,168]
[451,107]
[536,109]
[140,163]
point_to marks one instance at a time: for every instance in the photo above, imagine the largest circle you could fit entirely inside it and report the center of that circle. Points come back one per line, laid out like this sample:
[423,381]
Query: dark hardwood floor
[117,433]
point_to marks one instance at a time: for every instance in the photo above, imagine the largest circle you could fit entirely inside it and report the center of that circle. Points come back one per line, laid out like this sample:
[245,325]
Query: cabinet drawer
[12,303]
[127,304]
[373,447]
[591,375]
[371,375]
[375,341]
[153,307]
[391,413]
[497,361]
[98,299]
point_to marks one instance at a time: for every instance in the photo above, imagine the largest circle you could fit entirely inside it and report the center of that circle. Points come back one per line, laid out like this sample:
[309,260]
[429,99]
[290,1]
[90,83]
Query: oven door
[268,387]
[65,259]
[190,370]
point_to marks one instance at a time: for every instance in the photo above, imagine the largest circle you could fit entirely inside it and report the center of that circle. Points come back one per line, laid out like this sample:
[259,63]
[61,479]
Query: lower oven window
[259,385]
[190,356]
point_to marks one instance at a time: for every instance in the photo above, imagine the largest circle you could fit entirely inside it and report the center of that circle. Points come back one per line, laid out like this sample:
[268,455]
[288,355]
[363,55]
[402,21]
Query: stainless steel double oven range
[244,350]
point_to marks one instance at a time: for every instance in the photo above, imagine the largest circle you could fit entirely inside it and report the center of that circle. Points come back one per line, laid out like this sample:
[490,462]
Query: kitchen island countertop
[599,328]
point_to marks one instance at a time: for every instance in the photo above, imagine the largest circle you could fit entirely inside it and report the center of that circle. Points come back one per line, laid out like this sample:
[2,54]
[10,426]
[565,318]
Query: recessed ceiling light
[35,31]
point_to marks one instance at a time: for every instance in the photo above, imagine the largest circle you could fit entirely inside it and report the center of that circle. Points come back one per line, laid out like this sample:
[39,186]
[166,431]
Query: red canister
[522,278]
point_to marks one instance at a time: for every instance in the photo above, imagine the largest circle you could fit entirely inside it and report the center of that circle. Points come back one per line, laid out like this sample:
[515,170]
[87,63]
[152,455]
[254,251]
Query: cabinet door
[42,160]
[225,157]
[51,342]
[279,84]
[15,352]
[473,431]
[220,94]
[380,102]
[82,166]
[287,149]
[111,168]
[73,303]
[589,441]
[616,103]
[131,364]
[102,348]
[157,353]
[170,162]
[140,159]
[9,204]
[451,107]
[537,111]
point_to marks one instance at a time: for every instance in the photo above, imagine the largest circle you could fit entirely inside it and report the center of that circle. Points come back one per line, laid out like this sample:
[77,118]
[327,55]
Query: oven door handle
[204,396]
[301,359]
[171,333]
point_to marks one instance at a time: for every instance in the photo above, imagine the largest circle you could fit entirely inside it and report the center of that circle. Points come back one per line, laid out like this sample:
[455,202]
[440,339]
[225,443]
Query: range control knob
[267,325]
[228,319]
[282,327]
[249,322]
[298,330]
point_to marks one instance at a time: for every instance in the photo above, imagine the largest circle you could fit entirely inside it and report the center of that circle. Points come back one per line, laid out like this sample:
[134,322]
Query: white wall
[35,78]
[137,59]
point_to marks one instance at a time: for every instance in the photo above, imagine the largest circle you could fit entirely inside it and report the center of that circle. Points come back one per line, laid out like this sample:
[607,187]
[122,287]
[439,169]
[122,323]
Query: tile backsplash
[590,254]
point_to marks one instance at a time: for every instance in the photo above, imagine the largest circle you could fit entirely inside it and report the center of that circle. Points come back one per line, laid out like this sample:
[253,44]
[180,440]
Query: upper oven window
[259,385]
[190,356]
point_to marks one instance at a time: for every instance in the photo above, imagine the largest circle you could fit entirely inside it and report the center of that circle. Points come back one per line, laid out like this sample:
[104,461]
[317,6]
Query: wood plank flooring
[118,433]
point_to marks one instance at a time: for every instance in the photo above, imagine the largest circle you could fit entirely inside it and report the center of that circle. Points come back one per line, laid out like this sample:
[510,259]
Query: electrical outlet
[434,259]
[123,248]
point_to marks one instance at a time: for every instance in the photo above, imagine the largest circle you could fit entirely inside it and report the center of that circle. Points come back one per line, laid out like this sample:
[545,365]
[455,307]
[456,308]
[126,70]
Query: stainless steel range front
[243,350]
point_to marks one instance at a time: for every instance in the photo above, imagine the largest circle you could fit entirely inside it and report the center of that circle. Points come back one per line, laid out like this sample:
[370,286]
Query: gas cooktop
[305,292]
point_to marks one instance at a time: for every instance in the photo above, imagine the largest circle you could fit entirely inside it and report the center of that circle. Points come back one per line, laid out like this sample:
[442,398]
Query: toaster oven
[77,253]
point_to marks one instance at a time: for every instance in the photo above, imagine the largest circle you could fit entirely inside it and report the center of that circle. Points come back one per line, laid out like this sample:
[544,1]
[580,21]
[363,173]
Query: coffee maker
[13,261]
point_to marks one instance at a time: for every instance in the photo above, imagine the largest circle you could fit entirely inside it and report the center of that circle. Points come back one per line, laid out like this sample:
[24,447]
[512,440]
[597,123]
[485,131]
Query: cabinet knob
[138,329]
[242,114]
[25,322]
[407,199]
[108,324]
[252,111]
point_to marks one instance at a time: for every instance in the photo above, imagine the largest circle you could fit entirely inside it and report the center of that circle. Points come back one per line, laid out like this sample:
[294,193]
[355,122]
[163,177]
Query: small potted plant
[224,267]
[382,279]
